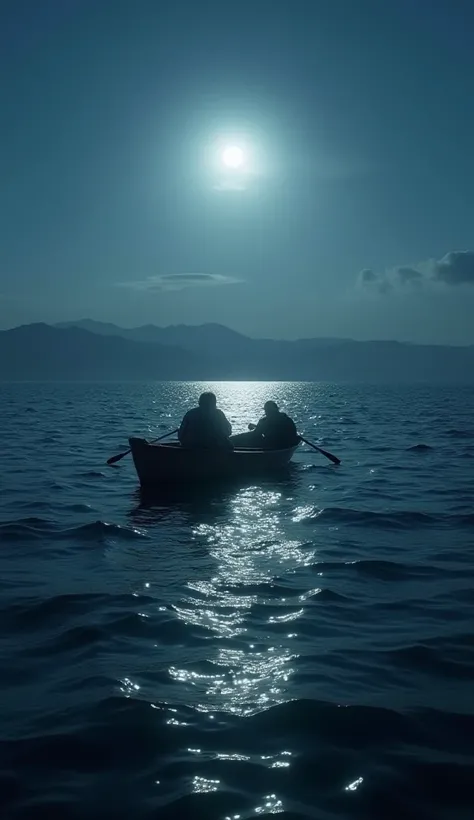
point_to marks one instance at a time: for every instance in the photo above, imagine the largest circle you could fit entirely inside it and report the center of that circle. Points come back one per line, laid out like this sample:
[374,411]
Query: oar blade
[114,459]
[330,456]
[334,459]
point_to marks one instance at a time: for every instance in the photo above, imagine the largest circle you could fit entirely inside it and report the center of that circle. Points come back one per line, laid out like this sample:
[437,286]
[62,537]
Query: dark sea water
[301,646]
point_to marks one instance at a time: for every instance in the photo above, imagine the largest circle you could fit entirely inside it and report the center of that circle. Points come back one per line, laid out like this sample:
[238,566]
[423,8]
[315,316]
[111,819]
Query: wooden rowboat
[171,463]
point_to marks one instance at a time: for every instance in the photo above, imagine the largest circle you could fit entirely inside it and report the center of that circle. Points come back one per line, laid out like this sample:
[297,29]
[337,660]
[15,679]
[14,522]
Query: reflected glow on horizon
[241,401]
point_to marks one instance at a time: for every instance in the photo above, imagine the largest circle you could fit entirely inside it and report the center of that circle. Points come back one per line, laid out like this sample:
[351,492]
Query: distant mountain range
[89,350]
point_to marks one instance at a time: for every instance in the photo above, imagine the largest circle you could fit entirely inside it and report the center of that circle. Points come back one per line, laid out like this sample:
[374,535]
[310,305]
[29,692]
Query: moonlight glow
[233,157]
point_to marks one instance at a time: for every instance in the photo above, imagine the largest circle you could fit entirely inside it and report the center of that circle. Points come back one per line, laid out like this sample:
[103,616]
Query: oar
[334,459]
[114,459]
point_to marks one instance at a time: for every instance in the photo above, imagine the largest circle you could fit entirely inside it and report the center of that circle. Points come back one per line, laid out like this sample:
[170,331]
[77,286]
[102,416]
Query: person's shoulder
[192,412]
[222,416]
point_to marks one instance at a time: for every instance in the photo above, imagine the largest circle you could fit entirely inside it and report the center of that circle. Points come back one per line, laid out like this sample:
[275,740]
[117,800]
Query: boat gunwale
[177,447]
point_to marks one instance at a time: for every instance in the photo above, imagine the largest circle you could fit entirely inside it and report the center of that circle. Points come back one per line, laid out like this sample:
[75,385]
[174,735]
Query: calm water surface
[301,647]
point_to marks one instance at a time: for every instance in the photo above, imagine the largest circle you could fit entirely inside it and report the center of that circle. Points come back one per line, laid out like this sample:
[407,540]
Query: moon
[233,157]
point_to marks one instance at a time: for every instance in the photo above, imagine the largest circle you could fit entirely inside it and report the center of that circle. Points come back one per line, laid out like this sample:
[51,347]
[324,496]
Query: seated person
[205,426]
[275,431]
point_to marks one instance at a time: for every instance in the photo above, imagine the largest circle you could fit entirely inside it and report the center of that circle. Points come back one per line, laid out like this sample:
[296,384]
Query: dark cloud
[367,275]
[456,268]
[180,281]
[371,280]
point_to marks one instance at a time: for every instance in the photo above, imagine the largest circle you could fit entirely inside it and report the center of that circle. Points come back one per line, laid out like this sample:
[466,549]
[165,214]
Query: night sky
[351,211]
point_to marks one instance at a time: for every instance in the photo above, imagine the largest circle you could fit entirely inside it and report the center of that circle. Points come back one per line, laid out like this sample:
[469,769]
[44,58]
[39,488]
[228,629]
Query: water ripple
[302,647]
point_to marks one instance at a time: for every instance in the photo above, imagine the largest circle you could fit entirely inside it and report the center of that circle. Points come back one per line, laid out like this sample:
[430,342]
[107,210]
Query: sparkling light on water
[238,652]
[244,549]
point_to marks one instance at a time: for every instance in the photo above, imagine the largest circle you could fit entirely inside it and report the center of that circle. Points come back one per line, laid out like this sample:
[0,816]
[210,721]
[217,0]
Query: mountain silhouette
[88,350]
[39,351]
[204,339]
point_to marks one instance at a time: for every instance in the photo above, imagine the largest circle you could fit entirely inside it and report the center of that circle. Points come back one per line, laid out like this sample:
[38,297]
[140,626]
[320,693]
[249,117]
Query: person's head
[207,402]
[271,408]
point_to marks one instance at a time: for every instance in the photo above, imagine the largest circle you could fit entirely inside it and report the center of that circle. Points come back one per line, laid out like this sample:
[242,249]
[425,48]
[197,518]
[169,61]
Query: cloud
[372,281]
[453,270]
[456,268]
[180,281]
[408,276]
[367,276]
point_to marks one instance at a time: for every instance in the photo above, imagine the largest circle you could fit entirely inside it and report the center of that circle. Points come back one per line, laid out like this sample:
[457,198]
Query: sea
[299,646]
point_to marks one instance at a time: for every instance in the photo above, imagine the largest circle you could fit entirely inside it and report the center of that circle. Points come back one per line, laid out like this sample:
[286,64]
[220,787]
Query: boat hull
[158,464]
